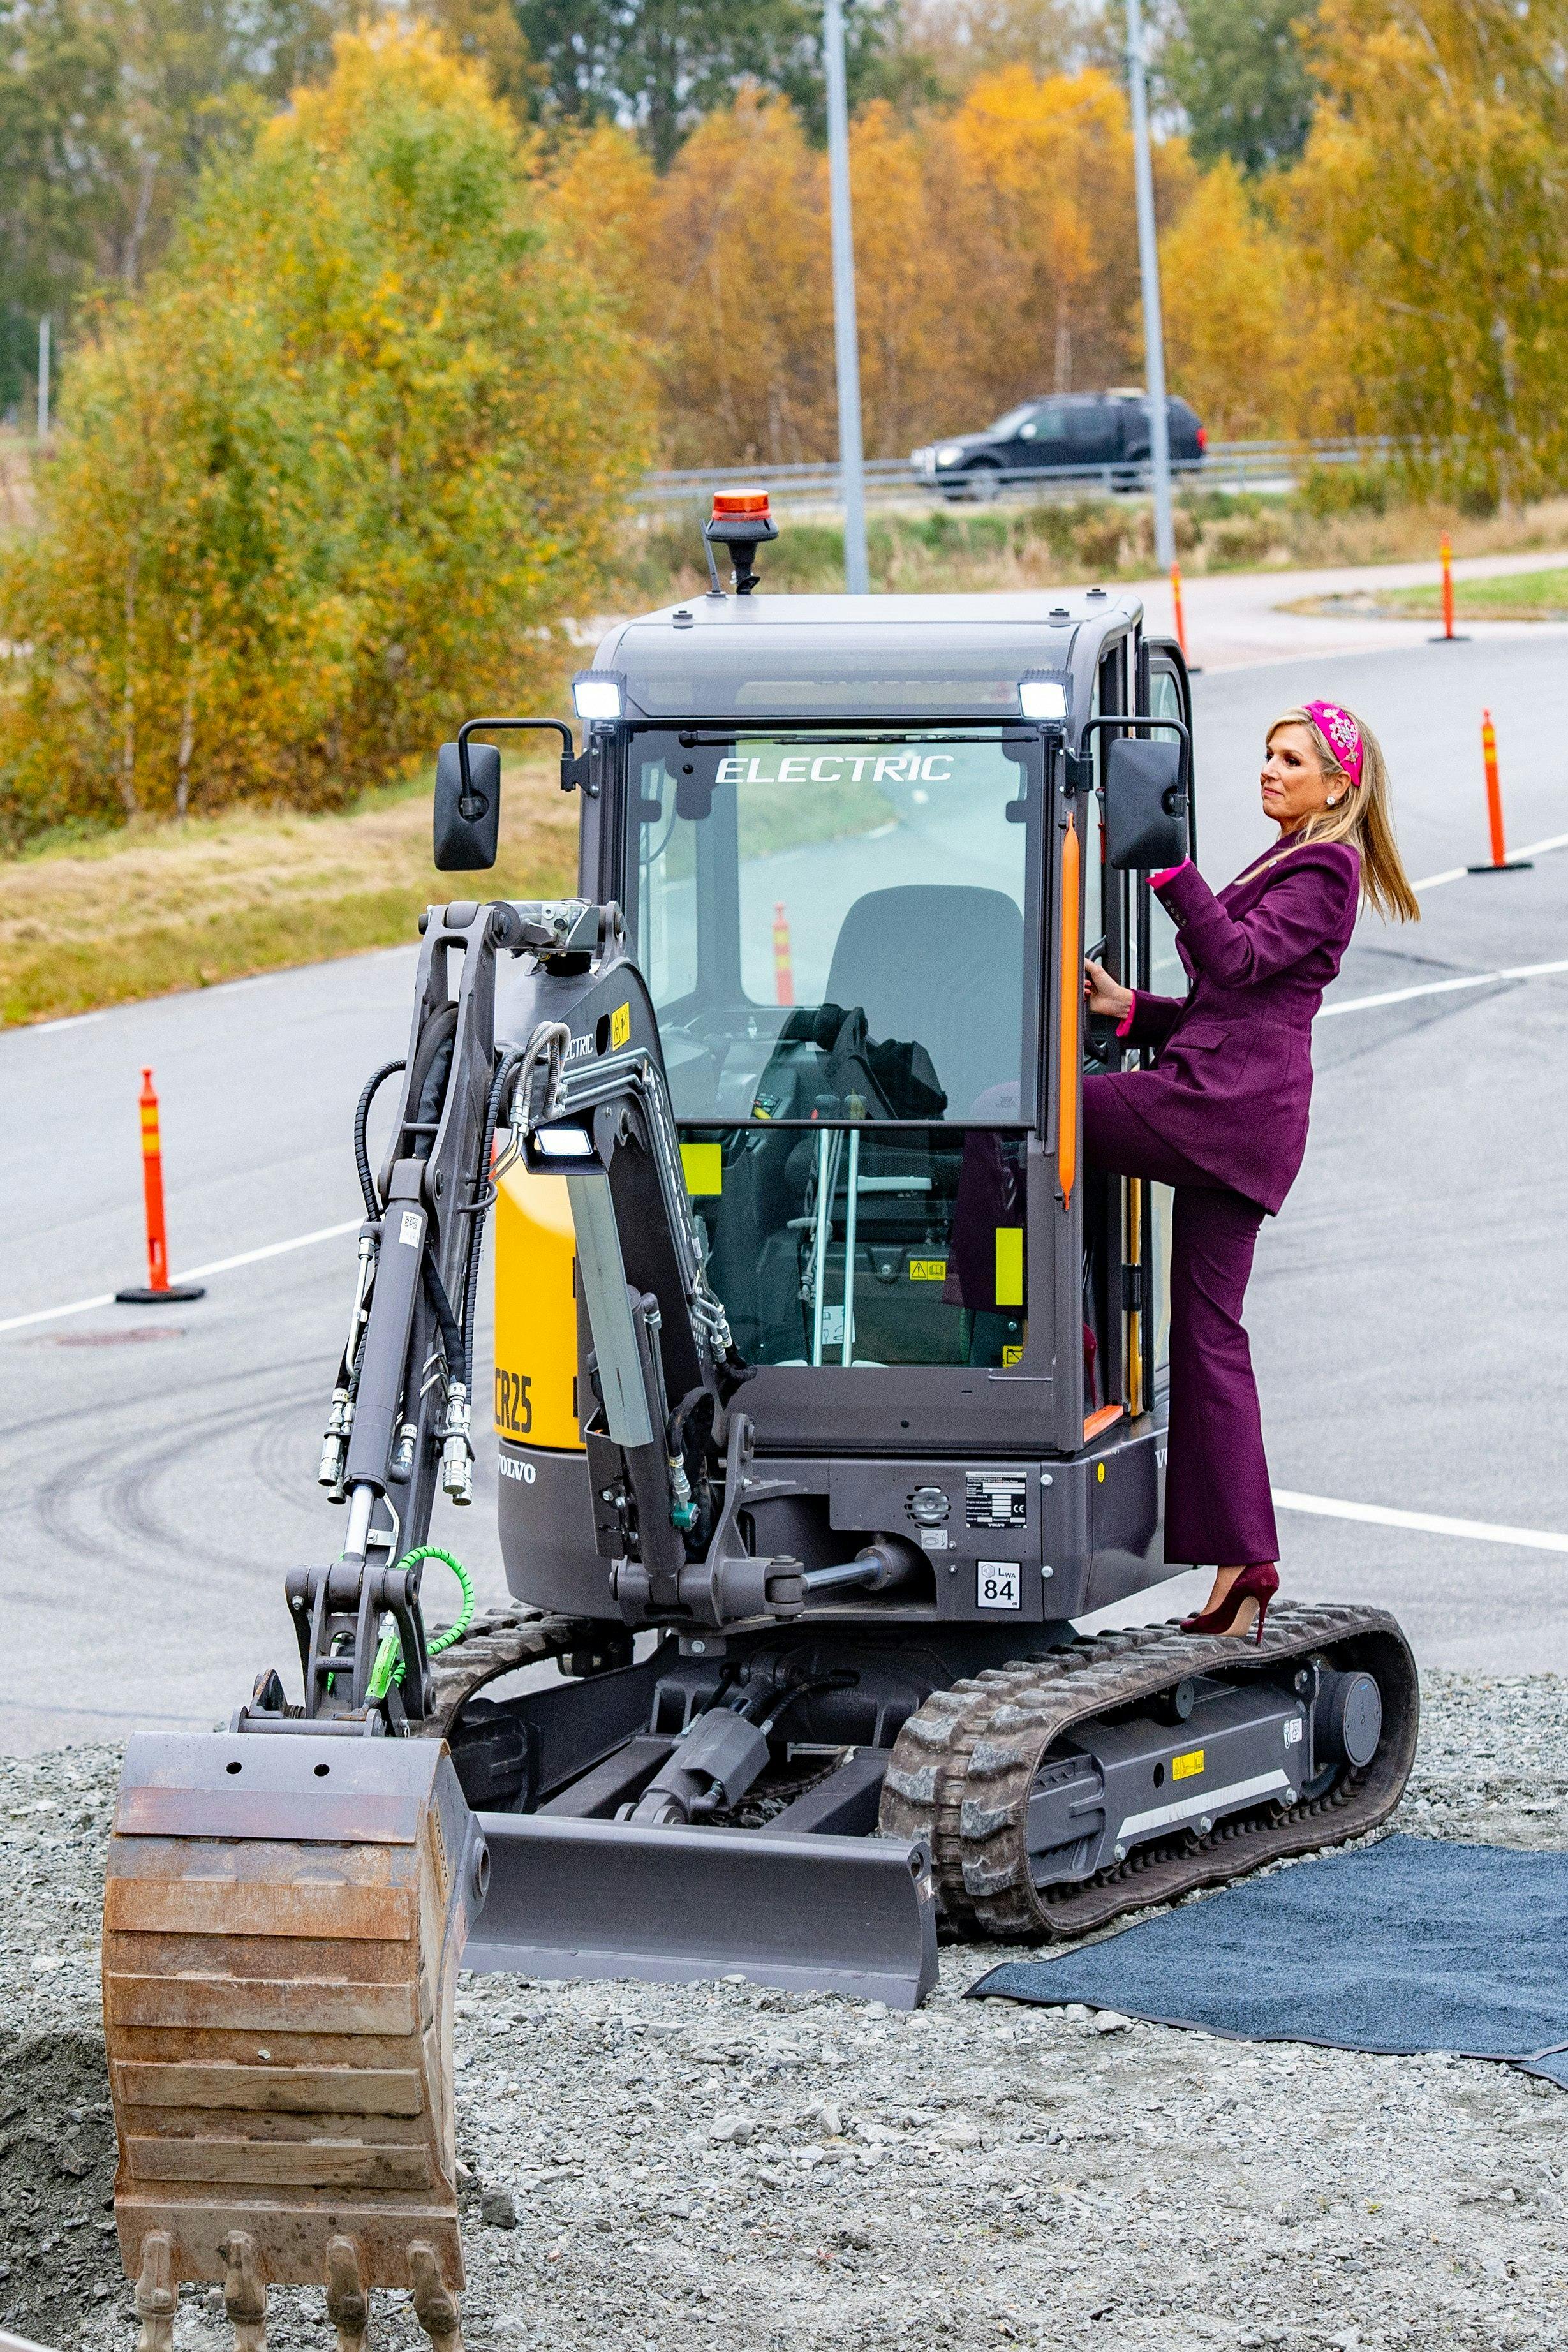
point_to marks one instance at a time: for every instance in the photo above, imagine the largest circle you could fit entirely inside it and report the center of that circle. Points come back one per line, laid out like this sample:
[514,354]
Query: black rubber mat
[1411,1944]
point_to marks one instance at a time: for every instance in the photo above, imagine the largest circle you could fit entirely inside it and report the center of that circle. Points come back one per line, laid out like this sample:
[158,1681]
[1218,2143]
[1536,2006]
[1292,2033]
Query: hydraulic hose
[484,1193]
[518,1064]
[388,1666]
[451,1336]
[373,1205]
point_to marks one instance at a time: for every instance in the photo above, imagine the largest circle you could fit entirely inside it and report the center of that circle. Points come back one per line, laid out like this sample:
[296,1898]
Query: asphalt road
[1407,1310]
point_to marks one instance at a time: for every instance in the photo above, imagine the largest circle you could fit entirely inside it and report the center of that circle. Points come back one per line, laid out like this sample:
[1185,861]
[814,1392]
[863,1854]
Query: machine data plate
[996,1498]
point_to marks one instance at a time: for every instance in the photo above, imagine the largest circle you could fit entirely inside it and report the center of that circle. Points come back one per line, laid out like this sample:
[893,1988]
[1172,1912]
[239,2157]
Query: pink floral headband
[1342,734]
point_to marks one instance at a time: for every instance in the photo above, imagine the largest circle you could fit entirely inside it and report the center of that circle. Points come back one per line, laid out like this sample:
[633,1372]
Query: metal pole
[1149,272]
[43,379]
[846,335]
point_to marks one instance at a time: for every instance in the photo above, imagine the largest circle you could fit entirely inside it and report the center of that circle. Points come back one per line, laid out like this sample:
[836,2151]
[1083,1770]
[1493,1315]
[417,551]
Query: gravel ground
[725,2169]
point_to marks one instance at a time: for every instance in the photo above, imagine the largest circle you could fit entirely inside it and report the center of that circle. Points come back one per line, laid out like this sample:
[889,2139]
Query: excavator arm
[582,1095]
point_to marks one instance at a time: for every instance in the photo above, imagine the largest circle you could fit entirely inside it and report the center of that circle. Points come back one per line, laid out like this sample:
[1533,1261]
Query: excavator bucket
[283,1922]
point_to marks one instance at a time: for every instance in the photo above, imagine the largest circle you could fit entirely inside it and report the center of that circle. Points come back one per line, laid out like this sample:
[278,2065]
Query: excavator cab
[828,1394]
[858,854]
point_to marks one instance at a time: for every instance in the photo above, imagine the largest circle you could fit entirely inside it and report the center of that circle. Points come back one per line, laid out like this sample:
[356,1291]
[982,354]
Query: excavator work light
[594,696]
[1043,697]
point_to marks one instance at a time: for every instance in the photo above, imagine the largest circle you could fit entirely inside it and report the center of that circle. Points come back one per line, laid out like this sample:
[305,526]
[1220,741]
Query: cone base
[1508,866]
[1458,639]
[178,1293]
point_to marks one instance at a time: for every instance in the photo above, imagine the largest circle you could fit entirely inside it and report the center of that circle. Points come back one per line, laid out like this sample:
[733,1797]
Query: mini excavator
[829,1393]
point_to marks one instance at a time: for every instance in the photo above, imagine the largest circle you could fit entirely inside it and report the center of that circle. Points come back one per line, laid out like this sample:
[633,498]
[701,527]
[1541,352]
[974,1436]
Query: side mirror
[468,825]
[1145,805]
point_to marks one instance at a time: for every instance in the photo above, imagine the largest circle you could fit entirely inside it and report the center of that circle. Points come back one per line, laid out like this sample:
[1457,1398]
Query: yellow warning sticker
[928,1269]
[704,1167]
[1009,1266]
[1187,1767]
[1012,1356]
[621,1025]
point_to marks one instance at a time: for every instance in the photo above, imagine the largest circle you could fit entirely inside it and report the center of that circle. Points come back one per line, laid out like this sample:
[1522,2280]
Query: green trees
[331,479]
[1240,69]
[662,64]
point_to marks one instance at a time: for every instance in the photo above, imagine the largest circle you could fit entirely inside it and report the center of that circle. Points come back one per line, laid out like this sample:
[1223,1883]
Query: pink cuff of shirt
[1158,881]
[1125,1023]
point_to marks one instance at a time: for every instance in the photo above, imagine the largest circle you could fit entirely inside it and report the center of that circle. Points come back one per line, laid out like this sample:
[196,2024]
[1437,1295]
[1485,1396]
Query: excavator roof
[875,657]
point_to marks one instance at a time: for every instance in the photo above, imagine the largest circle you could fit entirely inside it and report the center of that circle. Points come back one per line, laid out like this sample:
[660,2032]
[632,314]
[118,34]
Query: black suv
[1108,431]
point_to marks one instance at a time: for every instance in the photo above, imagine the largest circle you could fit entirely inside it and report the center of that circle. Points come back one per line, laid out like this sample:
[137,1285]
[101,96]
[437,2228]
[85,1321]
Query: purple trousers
[1218,1511]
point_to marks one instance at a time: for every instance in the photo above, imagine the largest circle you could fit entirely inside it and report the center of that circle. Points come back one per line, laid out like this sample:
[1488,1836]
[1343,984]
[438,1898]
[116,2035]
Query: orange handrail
[1071,1011]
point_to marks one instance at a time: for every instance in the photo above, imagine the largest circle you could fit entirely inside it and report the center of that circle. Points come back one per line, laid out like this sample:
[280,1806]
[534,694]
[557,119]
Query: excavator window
[836,915]
[834,931]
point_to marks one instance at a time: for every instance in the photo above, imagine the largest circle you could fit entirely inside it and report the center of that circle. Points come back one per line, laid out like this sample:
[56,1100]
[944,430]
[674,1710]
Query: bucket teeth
[435,2306]
[155,2297]
[348,2305]
[244,2296]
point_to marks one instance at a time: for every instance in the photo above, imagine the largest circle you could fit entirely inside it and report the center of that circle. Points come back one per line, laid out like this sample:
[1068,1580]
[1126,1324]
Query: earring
[1332,801]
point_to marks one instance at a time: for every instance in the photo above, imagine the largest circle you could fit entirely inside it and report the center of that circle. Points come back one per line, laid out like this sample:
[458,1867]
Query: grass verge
[1524,596]
[157,909]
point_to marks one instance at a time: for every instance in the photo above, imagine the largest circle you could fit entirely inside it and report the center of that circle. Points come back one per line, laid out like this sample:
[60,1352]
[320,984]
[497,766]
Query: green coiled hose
[388,1666]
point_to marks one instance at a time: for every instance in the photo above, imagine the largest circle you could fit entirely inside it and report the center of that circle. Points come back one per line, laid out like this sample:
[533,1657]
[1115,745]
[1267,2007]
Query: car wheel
[985,483]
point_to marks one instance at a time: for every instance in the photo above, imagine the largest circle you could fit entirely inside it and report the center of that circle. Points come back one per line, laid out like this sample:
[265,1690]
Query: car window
[1050,422]
[1006,427]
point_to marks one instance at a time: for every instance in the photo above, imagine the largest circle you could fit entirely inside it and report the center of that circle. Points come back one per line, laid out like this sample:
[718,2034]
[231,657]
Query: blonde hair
[1363,816]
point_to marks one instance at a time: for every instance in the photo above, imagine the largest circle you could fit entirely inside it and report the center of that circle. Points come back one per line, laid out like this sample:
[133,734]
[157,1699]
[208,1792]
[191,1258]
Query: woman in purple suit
[1221,1113]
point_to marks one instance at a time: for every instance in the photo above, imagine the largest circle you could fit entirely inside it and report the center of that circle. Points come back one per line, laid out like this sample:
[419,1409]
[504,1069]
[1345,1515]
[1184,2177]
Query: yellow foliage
[327,485]
[600,187]
[1430,211]
[995,257]
[738,304]
[1224,270]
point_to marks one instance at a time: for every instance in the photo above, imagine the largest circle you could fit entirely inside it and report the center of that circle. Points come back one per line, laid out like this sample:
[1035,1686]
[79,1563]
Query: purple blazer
[1232,1082]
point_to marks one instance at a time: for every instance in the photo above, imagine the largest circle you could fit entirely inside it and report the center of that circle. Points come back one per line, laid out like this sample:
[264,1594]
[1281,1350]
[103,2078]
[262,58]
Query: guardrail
[1225,465]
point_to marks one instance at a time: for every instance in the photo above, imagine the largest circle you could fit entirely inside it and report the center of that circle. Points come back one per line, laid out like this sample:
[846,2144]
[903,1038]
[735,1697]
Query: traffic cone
[1447,636]
[1499,861]
[158,1291]
[784,963]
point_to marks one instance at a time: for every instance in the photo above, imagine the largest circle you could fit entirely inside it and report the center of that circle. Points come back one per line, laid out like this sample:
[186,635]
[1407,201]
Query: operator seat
[944,966]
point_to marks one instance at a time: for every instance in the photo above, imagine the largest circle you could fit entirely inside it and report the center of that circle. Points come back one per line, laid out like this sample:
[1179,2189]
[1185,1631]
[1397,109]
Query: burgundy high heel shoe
[1258,1584]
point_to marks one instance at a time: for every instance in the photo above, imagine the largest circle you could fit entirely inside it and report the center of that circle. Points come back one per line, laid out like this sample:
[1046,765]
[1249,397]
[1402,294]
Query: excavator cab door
[1166,693]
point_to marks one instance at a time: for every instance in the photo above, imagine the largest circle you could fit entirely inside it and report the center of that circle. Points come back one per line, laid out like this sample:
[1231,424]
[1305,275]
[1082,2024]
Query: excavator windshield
[837,926]
[840,932]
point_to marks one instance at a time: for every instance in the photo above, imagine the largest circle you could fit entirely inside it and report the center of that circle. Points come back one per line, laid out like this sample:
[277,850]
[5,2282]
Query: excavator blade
[284,1918]
[808,1912]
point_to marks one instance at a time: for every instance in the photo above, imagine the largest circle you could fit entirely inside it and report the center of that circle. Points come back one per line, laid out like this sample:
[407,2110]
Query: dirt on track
[722,2168]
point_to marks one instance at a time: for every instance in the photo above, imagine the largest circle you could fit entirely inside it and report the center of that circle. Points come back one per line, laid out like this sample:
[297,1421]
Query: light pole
[1149,275]
[846,335]
[43,379]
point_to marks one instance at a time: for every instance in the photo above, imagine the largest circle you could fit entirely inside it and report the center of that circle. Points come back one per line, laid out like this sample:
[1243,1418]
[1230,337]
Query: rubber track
[963,1765]
[499,1641]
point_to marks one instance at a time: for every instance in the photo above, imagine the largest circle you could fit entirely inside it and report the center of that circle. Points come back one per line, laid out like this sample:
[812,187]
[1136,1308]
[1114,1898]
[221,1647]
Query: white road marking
[1458,873]
[1428,1523]
[65,1021]
[191,1274]
[1444,987]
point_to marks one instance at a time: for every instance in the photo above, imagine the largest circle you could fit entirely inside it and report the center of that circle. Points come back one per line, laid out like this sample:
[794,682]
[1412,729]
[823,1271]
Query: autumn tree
[738,308]
[1224,275]
[1039,188]
[1430,211]
[323,488]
